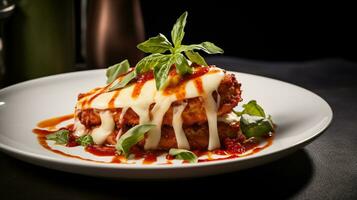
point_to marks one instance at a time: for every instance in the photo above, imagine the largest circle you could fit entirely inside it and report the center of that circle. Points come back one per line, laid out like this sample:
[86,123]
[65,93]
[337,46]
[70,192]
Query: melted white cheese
[211,113]
[159,110]
[182,142]
[149,95]
[229,118]
[218,100]
[101,133]
[121,118]
[143,112]
[251,119]
[79,128]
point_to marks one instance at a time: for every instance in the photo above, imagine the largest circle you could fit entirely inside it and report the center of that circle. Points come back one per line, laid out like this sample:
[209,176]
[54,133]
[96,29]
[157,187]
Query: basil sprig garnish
[60,136]
[253,120]
[183,154]
[131,137]
[163,54]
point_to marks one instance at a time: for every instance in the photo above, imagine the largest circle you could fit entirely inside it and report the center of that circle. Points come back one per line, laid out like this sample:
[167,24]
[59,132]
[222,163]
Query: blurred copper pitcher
[114,28]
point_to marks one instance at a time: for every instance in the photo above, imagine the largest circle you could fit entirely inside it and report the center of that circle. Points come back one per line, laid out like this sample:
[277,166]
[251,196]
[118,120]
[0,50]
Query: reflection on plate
[300,115]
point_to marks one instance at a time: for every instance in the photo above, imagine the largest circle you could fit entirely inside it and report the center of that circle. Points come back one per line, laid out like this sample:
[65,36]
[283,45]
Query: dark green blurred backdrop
[44,37]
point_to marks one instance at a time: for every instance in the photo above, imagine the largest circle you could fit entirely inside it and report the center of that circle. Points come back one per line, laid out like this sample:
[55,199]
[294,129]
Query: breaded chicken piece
[194,113]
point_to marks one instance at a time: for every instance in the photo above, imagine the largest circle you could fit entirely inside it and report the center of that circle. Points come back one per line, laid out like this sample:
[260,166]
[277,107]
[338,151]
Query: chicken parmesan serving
[171,103]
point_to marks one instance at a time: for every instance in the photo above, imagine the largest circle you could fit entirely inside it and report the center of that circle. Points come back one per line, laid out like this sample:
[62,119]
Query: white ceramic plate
[300,115]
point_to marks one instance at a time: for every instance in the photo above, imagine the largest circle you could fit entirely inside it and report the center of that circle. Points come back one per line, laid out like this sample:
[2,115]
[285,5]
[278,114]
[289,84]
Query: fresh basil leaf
[116,70]
[131,137]
[252,108]
[253,121]
[85,140]
[161,72]
[182,66]
[60,136]
[207,47]
[177,32]
[184,154]
[149,62]
[211,48]
[255,126]
[123,82]
[196,58]
[158,44]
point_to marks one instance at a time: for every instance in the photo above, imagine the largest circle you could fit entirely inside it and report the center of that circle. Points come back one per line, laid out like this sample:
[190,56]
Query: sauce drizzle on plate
[148,157]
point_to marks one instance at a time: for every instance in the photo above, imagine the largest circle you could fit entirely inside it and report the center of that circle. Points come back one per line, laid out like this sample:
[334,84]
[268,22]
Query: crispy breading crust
[197,136]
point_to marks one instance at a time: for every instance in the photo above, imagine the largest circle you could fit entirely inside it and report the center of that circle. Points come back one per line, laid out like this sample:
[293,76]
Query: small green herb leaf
[161,72]
[184,154]
[149,62]
[123,82]
[252,108]
[158,44]
[196,58]
[116,70]
[60,136]
[85,140]
[131,137]
[255,126]
[207,47]
[211,48]
[182,66]
[253,121]
[177,32]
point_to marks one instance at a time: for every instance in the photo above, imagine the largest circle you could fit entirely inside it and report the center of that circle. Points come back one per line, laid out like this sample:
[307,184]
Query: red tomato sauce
[141,80]
[52,122]
[112,100]
[101,150]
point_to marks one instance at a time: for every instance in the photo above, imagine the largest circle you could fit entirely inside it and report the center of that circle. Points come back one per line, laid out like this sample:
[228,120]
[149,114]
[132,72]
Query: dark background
[263,32]
[282,32]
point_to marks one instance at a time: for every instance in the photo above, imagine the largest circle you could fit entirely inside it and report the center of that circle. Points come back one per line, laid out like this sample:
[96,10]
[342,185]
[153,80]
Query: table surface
[325,169]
